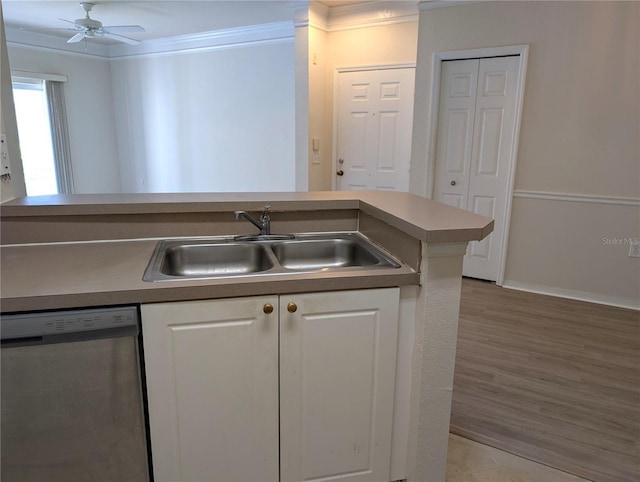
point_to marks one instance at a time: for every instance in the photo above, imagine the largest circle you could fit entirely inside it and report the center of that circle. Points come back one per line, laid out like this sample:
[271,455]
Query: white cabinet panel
[338,353]
[212,384]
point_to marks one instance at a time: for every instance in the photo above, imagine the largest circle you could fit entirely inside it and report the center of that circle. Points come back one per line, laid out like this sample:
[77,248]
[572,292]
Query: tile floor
[470,461]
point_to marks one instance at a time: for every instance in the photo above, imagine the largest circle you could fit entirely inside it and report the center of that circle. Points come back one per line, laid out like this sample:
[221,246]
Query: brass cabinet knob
[292,307]
[340,172]
[267,308]
[453,183]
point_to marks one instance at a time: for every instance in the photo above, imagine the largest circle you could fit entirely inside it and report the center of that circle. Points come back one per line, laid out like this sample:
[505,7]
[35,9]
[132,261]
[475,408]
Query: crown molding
[433,4]
[319,15]
[213,40]
[365,14]
[52,43]
[301,13]
[345,17]
[218,39]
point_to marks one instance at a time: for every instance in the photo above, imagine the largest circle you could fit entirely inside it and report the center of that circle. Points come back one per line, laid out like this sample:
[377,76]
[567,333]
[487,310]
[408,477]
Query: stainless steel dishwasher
[72,398]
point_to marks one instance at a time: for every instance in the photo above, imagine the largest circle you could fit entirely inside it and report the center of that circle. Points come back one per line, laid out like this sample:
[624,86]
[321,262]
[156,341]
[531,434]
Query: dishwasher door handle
[23,341]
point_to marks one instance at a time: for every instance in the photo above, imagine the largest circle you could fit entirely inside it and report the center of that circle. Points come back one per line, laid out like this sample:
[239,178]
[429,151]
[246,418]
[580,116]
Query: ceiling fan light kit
[89,28]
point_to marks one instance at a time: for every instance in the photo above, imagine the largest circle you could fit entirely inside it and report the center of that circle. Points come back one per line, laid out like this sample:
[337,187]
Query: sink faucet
[264,225]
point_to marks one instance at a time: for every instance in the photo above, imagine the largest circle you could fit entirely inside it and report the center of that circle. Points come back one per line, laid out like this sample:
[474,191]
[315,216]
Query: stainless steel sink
[224,257]
[320,254]
[193,259]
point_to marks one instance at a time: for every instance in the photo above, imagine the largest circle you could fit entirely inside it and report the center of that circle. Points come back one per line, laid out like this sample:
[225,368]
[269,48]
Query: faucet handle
[265,220]
[265,213]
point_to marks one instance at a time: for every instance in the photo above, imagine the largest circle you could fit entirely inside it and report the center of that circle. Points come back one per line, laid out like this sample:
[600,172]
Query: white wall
[90,114]
[14,186]
[218,121]
[320,161]
[302,114]
[579,138]
[213,118]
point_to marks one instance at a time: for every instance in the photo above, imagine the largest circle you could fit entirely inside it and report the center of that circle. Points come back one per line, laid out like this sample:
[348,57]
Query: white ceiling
[160,18]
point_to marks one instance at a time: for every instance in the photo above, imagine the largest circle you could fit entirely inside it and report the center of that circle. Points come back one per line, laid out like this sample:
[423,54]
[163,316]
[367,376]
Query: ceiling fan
[88,28]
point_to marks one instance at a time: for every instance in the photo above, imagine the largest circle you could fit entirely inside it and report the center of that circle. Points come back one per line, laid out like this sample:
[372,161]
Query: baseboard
[617,301]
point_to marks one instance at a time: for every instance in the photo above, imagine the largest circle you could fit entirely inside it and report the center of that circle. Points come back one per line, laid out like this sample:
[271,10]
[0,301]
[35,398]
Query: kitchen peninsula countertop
[70,251]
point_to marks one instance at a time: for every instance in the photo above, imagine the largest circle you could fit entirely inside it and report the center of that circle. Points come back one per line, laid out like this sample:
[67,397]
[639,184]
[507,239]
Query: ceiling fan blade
[71,22]
[76,38]
[44,30]
[120,38]
[124,28]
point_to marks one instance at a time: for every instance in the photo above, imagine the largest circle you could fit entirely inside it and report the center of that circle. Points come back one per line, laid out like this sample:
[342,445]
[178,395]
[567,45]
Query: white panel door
[212,384]
[473,153]
[338,358]
[375,116]
[492,147]
[455,131]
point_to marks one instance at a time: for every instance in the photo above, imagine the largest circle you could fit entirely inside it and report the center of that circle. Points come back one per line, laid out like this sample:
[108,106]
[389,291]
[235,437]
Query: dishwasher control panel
[43,324]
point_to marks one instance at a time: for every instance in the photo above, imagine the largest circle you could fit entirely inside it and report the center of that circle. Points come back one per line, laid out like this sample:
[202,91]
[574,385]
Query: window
[42,130]
[34,131]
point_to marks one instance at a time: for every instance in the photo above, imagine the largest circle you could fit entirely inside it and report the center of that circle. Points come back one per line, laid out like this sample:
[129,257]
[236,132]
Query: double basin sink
[202,258]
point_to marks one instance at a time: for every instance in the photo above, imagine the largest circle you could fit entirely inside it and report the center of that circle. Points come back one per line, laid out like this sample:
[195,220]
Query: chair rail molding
[574,197]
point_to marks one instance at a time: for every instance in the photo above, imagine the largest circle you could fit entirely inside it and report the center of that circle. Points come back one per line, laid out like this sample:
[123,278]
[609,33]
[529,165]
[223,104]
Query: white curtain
[60,136]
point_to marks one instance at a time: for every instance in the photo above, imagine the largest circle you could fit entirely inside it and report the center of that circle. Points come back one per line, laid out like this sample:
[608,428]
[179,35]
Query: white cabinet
[337,373]
[212,386]
[225,404]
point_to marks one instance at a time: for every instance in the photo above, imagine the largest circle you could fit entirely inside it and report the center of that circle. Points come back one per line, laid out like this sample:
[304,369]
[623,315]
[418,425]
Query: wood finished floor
[553,380]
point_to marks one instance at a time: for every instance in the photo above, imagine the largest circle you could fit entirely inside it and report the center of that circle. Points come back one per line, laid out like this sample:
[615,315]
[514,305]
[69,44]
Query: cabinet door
[337,373]
[212,384]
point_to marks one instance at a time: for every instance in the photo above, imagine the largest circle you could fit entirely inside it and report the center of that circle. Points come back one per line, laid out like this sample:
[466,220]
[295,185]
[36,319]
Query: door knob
[453,183]
[267,308]
[340,172]
[292,307]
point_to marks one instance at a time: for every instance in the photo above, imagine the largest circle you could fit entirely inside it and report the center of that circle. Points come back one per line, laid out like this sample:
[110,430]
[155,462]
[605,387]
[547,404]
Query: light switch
[5,166]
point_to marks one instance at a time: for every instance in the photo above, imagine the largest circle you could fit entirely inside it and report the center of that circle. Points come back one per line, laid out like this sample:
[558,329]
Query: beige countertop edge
[445,224]
[92,204]
[208,289]
[421,218]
